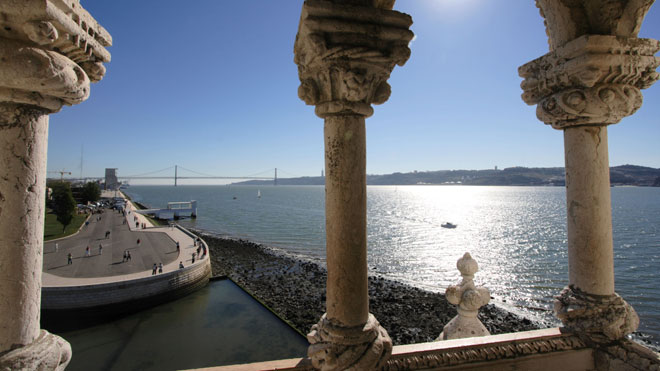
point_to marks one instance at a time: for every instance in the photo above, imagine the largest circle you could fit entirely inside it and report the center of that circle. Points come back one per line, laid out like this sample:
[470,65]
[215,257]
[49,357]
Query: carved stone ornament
[333,347]
[447,357]
[47,352]
[51,50]
[345,54]
[469,299]
[596,316]
[566,20]
[592,80]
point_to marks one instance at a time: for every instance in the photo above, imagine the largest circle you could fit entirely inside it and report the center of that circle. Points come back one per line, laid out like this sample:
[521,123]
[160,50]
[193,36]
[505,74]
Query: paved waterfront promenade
[157,245]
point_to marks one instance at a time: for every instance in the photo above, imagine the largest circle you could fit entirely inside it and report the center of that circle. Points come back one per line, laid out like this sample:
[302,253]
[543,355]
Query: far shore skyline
[182,180]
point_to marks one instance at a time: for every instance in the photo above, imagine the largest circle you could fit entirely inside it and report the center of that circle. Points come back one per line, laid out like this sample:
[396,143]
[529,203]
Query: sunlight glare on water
[517,235]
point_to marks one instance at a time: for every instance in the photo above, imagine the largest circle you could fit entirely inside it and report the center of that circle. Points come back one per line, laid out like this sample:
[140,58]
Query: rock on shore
[295,290]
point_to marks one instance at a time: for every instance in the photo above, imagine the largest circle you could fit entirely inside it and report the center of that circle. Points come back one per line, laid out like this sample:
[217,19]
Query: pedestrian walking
[87,251]
[180,265]
[128,256]
[193,258]
[100,249]
[125,258]
[178,248]
[138,242]
[160,267]
[69,259]
[154,269]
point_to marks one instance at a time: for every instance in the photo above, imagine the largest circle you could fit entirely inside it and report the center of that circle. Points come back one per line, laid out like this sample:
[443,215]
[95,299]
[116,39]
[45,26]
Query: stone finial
[591,80]
[469,299]
[52,50]
[334,347]
[599,317]
[345,54]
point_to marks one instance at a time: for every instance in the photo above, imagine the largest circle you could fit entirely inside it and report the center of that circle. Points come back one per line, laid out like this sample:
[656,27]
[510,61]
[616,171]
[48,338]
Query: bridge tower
[275,179]
[176,168]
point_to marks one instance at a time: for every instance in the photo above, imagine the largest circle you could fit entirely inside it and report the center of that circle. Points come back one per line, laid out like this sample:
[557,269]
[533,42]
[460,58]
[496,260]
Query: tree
[62,203]
[91,192]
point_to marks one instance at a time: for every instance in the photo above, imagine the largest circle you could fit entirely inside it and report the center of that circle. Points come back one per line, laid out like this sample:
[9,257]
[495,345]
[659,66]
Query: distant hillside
[513,176]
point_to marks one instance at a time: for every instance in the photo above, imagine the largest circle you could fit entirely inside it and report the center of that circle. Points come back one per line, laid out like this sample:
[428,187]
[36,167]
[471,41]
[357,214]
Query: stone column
[36,78]
[590,79]
[345,51]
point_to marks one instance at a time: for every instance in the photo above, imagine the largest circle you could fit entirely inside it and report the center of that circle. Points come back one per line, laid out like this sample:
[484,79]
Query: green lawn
[53,228]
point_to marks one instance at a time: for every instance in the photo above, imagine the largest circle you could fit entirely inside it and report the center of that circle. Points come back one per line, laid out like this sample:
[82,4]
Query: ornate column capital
[51,50]
[601,318]
[345,54]
[591,80]
[469,299]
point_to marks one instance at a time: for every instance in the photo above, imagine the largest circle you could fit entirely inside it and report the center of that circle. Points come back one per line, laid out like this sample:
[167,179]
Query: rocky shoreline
[295,290]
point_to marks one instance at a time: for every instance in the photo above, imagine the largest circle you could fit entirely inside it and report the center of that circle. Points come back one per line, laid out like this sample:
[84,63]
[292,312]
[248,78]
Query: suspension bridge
[197,175]
[177,173]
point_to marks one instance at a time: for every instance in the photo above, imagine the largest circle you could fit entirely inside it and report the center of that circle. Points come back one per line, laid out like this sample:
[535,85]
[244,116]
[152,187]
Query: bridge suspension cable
[149,173]
[261,172]
[197,172]
[288,173]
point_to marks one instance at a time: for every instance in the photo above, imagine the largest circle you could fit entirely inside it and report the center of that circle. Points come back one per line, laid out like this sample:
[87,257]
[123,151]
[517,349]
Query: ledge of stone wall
[168,285]
[541,350]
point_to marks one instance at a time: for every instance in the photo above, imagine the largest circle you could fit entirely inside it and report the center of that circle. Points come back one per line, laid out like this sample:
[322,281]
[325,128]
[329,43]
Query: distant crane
[61,172]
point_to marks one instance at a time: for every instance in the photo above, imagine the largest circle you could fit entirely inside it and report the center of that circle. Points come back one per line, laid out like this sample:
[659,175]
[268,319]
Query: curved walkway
[157,245]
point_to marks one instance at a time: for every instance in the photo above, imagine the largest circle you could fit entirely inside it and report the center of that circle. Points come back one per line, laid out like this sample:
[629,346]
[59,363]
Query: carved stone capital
[50,51]
[333,347]
[46,352]
[566,20]
[40,77]
[598,317]
[592,80]
[345,55]
[469,299]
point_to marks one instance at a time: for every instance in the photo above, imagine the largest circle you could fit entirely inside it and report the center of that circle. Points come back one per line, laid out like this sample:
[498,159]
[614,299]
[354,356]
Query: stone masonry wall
[171,284]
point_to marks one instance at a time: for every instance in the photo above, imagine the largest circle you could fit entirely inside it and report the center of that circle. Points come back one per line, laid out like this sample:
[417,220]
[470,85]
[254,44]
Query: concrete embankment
[108,283]
[159,287]
[295,290]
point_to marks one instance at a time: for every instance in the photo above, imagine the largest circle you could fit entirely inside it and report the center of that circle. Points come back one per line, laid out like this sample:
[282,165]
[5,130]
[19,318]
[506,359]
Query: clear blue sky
[211,86]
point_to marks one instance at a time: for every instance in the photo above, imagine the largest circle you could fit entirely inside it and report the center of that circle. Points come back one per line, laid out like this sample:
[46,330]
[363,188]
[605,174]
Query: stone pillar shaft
[591,78]
[589,210]
[50,51]
[346,219]
[345,51]
[23,149]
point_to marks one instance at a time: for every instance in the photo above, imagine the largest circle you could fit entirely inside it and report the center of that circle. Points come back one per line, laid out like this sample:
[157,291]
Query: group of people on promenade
[157,268]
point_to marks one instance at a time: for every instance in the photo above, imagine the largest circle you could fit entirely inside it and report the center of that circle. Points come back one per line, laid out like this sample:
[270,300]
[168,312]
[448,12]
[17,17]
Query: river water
[517,235]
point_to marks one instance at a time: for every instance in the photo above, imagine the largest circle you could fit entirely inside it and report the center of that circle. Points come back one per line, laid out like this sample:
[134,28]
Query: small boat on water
[448,225]
[259,193]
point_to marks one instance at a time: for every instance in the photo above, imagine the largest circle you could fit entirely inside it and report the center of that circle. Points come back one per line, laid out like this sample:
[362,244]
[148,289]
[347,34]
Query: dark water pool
[217,325]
